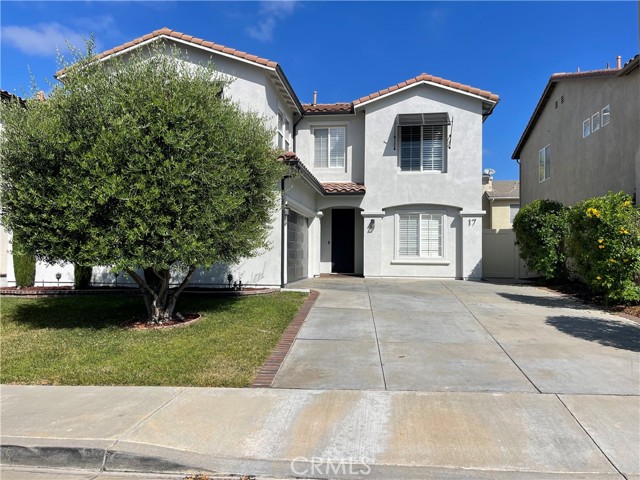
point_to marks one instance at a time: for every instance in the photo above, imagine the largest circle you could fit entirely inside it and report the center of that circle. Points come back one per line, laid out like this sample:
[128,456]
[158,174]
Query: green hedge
[540,228]
[604,241]
[24,265]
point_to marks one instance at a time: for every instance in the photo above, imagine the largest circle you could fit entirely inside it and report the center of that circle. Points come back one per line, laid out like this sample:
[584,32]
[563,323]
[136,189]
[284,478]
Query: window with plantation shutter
[420,235]
[422,148]
[329,147]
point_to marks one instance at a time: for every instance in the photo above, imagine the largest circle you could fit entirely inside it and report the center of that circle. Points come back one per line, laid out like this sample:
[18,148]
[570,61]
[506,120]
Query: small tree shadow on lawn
[609,333]
[101,311]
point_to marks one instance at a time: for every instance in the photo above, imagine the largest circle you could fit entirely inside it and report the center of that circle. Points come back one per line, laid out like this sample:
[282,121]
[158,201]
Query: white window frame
[595,122]
[421,259]
[422,169]
[586,128]
[512,207]
[606,113]
[280,119]
[287,134]
[328,128]
[543,174]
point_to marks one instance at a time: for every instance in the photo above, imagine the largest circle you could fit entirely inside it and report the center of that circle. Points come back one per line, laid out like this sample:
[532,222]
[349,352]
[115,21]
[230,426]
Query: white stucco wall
[353,170]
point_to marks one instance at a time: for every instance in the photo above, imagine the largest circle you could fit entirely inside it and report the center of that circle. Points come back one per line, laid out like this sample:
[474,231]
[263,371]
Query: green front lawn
[78,341]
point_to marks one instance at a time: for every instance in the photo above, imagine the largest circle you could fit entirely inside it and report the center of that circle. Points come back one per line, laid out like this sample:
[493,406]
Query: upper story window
[281,131]
[287,135]
[595,122]
[606,114]
[599,119]
[422,142]
[329,147]
[544,163]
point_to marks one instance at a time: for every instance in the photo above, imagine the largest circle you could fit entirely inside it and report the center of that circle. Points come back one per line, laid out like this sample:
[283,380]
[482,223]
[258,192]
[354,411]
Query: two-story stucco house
[583,138]
[385,185]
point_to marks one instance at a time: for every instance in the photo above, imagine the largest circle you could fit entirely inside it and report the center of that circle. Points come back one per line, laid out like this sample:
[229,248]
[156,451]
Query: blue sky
[346,50]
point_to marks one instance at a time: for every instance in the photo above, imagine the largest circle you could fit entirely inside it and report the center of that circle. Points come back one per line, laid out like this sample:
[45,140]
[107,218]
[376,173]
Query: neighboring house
[385,185]
[500,201]
[583,137]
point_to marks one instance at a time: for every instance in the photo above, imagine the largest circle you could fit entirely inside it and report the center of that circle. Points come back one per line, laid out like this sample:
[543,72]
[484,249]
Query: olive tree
[139,163]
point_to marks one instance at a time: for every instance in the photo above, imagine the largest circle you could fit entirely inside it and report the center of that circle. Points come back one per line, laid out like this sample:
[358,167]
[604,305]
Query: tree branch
[141,283]
[184,283]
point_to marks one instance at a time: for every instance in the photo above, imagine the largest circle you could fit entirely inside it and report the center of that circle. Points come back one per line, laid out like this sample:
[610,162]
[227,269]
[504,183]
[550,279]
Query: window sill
[423,172]
[420,261]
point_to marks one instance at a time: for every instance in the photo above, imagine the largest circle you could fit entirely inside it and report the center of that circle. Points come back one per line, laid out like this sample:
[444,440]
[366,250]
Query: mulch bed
[60,291]
[140,323]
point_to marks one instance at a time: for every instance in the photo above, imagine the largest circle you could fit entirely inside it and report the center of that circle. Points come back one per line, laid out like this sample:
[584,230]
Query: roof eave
[357,104]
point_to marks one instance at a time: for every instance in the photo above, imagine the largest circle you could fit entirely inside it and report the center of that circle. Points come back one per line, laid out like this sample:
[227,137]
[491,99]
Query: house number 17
[472,222]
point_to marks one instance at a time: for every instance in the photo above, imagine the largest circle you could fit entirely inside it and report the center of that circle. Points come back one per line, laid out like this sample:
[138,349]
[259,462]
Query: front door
[342,240]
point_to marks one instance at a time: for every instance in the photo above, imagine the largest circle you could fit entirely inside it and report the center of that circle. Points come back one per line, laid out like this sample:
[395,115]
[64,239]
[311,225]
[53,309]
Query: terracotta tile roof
[327,108]
[504,189]
[343,188]
[429,78]
[324,188]
[586,74]
[188,38]
[551,84]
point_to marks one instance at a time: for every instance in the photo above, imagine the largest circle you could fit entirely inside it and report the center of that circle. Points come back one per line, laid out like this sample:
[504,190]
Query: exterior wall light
[372,225]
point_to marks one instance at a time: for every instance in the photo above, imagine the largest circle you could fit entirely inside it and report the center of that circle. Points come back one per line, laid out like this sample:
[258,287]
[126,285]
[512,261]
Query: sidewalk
[322,434]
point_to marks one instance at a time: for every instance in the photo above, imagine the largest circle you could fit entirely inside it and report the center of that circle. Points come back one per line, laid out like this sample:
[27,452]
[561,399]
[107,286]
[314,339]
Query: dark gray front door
[297,246]
[342,240]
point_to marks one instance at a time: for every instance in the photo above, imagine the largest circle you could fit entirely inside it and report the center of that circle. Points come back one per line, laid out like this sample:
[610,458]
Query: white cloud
[270,14]
[44,39]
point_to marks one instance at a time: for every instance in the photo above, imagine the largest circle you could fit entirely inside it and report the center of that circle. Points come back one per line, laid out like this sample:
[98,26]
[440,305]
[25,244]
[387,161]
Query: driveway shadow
[605,332]
[546,301]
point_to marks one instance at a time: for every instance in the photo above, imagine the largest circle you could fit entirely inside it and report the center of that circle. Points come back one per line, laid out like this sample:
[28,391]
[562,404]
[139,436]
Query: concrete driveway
[429,335]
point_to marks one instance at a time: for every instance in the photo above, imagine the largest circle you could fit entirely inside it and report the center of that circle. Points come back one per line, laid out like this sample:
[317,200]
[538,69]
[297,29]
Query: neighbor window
[586,128]
[422,148]
[329,147]
[595,122]
[605,116]
[513,210]
[544,163]
[420,235]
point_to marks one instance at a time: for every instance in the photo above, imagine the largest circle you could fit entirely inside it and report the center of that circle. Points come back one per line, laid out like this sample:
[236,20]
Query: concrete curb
[163,461]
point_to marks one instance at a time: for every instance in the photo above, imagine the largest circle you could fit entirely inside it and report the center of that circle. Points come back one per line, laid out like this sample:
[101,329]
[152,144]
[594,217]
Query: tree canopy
[138,163]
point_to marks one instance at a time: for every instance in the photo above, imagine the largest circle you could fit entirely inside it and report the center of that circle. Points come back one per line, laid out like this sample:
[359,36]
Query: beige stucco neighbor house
[381,186]
[500,201]
[582,139]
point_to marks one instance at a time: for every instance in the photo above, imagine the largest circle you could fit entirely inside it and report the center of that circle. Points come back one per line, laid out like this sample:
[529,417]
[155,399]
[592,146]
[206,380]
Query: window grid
[595,122]
[329,147]
[544,163]
[420,235]
[422,148]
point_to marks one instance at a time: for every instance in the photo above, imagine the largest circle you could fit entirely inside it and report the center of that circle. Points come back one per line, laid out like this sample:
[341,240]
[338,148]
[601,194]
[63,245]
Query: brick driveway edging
[268,371]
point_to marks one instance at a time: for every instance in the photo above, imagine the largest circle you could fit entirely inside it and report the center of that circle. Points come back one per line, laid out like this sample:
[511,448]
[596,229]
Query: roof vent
[315,97]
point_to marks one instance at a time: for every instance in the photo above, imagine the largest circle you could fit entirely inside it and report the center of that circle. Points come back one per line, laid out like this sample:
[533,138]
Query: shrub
[81,276]
[540,228]
[604,241]
[24,265]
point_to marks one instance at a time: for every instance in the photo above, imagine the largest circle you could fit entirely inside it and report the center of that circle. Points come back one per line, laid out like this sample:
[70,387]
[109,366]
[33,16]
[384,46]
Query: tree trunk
[159,298]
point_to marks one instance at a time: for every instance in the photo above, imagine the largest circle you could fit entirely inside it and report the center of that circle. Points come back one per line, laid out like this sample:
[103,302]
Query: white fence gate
[501,256]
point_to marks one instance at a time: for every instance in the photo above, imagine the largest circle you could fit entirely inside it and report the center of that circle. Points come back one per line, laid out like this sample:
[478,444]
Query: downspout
[283,225]
[283,220]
